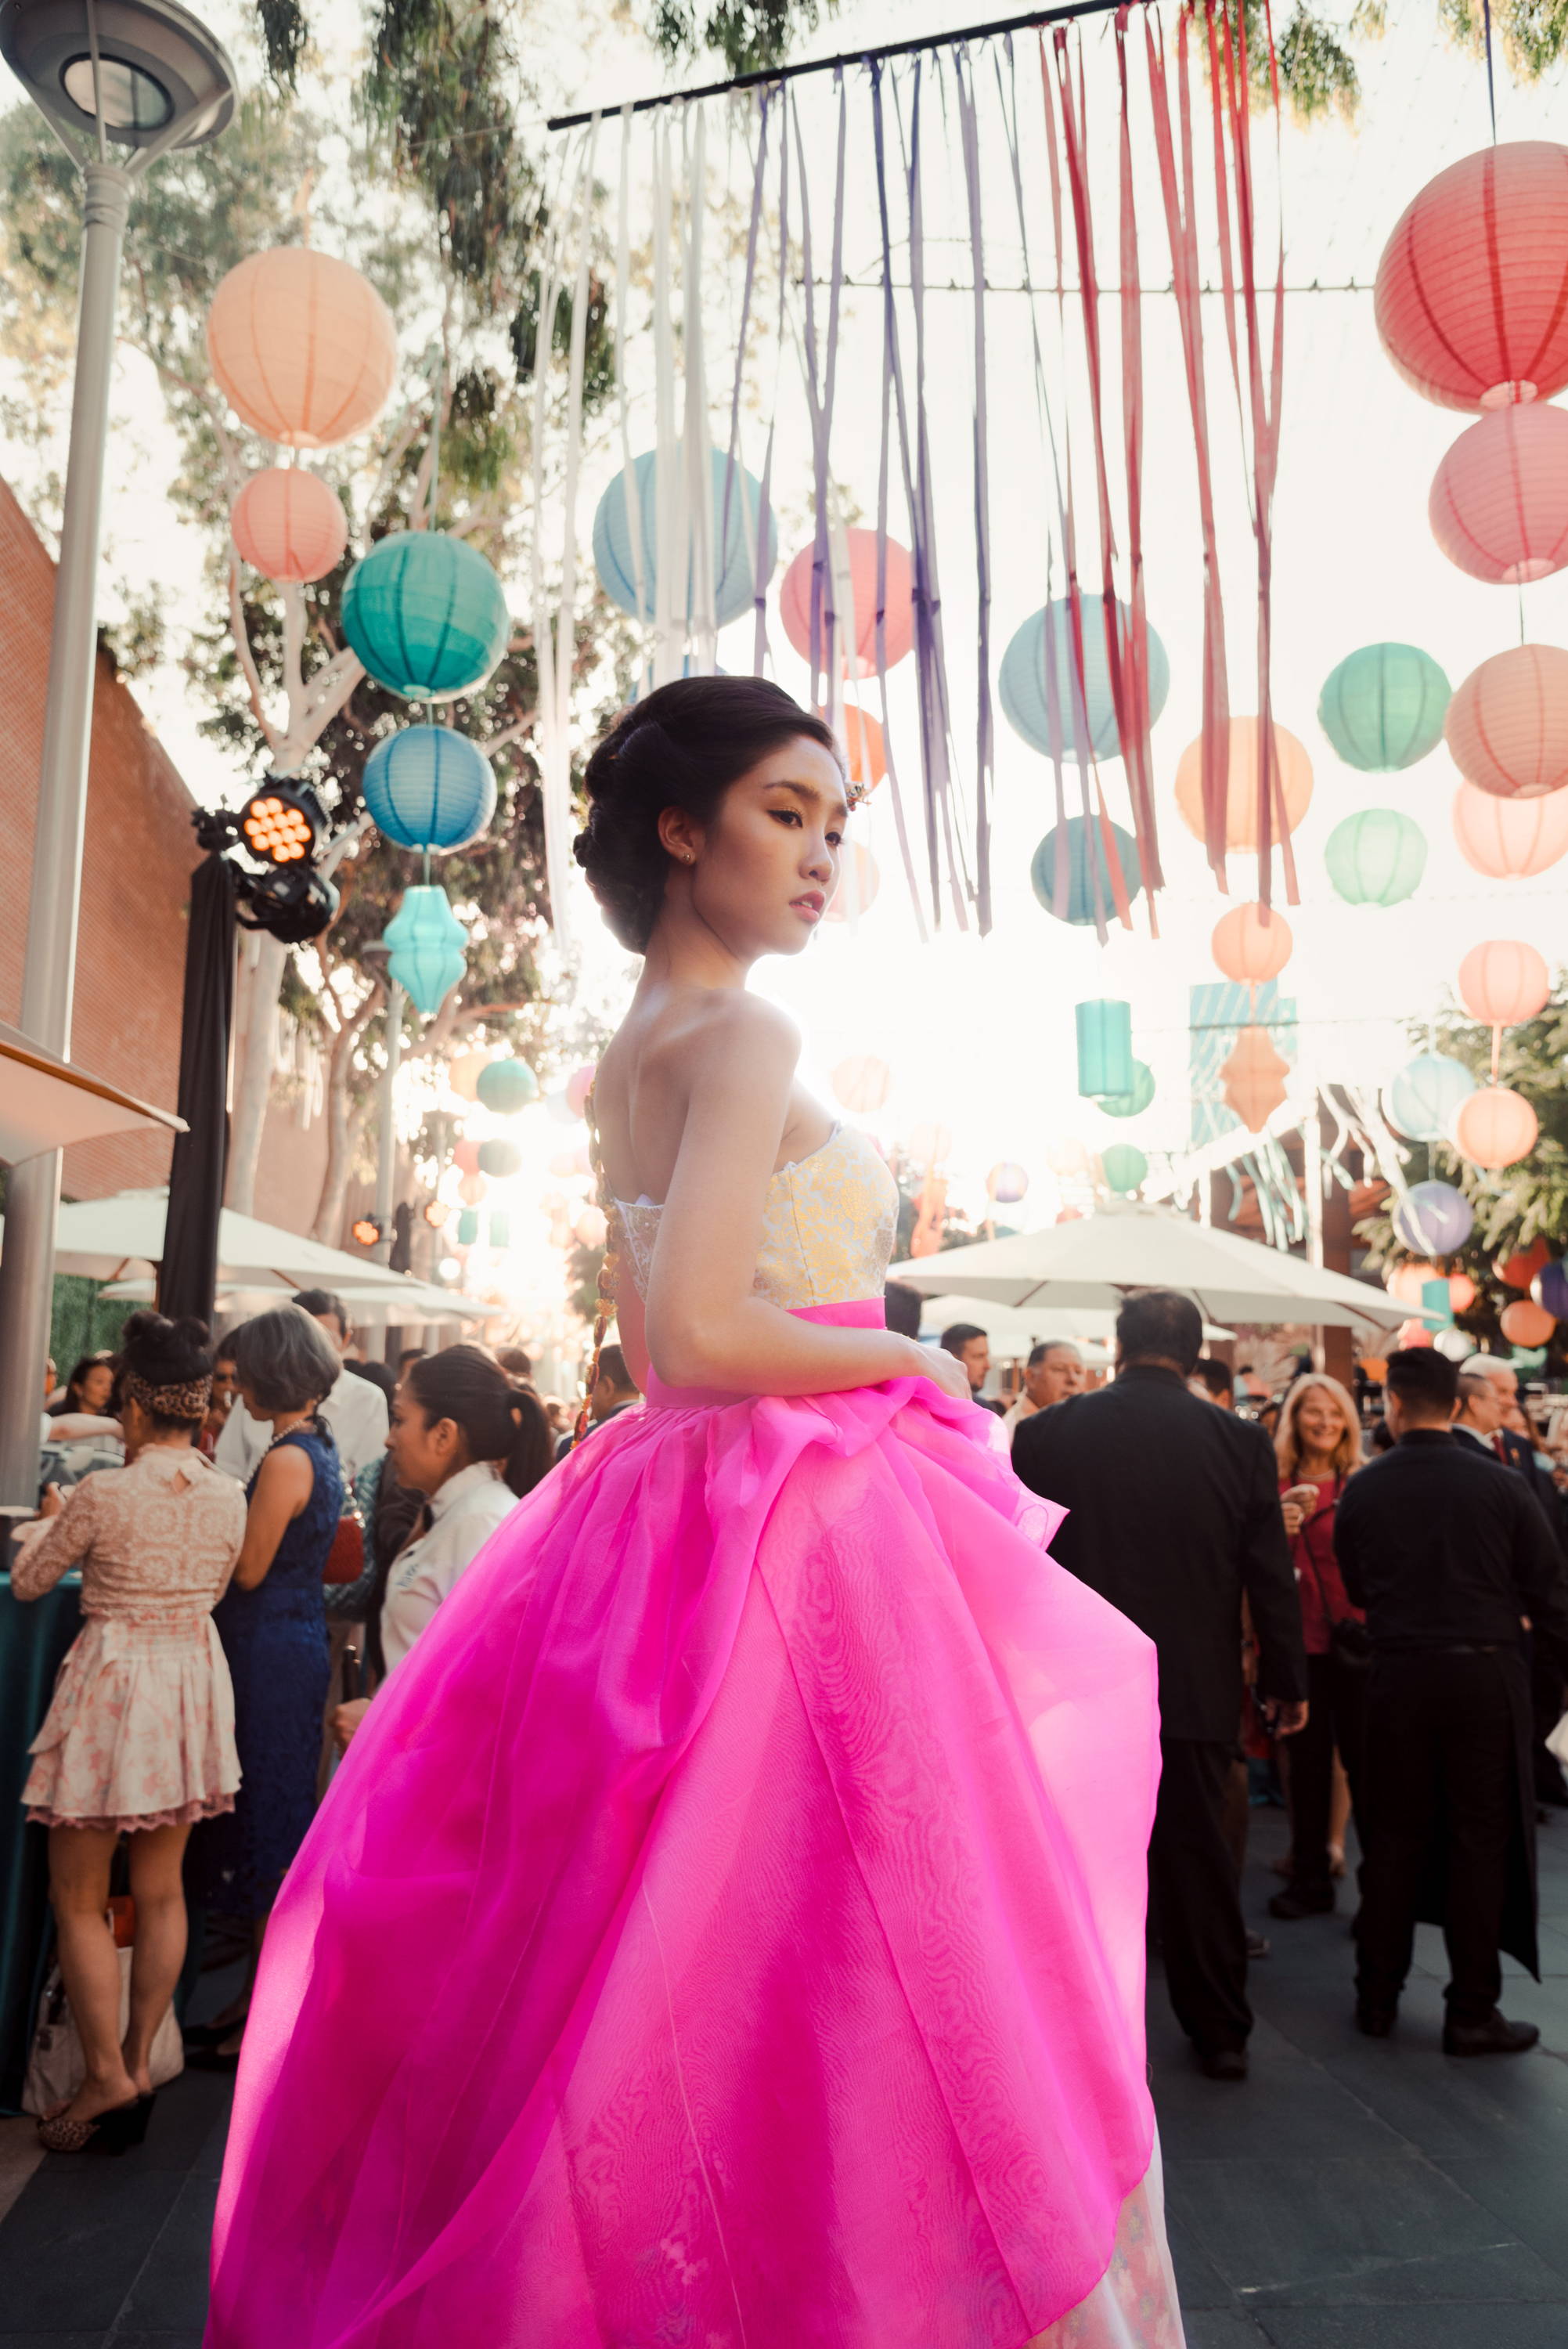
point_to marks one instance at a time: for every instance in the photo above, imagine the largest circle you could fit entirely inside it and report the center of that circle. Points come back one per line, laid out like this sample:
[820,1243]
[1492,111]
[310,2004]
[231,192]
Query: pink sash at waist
[854,1313]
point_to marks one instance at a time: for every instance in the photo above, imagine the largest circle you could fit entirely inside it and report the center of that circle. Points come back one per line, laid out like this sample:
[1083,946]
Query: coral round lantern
[862,1083]
[1499,502]
[425,615]
[1470,295]
[1462,1292]
[1519,1270]
[1407,1281]
[1412,1333]
[303,346]
[1433,1216]
[1510,839]
[1295,770]
[466,1156]
[1507,726]
[1495,1127]
[289,525]
[897,629]
[1382,708]
[428,787]
[1503,982]
[1376,857]
[1526,1324]
[1037,685]
[1251,945]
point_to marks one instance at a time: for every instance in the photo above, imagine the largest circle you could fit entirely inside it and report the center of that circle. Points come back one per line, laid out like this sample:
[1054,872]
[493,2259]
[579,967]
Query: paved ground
[1353,2194]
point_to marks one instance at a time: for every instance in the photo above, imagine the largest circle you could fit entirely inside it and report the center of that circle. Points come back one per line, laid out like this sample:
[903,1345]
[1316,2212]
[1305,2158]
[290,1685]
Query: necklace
[305,1420]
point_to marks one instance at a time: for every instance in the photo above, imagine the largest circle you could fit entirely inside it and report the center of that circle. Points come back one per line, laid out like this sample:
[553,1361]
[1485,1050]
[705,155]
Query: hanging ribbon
[984,747]
[754,542]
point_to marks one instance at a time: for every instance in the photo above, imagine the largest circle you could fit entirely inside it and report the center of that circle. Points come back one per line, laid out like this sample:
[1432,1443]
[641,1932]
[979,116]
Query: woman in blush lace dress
[727,1925]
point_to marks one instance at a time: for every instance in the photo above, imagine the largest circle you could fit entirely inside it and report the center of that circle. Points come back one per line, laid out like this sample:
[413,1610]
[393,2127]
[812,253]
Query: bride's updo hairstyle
[680,746]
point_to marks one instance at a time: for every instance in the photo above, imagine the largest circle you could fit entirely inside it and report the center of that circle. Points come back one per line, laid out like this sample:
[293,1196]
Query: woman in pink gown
[728,1928]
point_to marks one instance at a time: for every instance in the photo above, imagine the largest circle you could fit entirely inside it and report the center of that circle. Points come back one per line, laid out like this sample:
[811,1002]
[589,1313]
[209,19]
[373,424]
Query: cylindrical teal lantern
[425,615]
[499,1158]
[500,1230]
[469,1227]
[1133,1103]
[1086,872]
[428,787]
[1375,858]
[1124,1166]
[1038,685]
[505,1087]
[736,519]
[1105,1063]
[1382,708]
[426,942]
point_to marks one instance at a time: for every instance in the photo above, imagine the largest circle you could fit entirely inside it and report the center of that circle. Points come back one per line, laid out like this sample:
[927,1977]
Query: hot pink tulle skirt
[727,1928]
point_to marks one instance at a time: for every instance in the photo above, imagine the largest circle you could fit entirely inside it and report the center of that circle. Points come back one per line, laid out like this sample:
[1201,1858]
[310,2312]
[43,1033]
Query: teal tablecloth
[33,1639]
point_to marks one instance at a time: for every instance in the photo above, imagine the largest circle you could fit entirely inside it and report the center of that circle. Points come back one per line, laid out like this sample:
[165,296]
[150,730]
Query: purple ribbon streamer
[758,586]
[765,502]
[984,748]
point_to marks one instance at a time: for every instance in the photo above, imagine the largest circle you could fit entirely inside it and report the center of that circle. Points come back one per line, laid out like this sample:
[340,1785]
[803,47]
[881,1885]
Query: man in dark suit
[1173,1515]
[1447,1552]
[1489,1392]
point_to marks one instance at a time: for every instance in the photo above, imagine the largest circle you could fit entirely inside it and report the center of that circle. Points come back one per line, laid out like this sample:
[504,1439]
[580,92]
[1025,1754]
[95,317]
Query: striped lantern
[303,346]
[1510,839]
[1495,1127]
[859,549]
[1382,706]
[1503,981]
[1507,727]
[1499,504]
[1295,771]
[1376,857]
[289,525]
[1252,944]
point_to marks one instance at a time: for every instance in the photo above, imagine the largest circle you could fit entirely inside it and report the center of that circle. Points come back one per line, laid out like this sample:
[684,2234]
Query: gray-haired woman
[272,1625]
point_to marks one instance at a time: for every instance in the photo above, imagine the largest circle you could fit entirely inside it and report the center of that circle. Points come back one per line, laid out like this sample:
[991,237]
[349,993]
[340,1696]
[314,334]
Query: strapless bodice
[828,1226]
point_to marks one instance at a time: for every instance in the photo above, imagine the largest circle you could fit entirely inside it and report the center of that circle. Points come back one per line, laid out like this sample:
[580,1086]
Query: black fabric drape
[189,1277]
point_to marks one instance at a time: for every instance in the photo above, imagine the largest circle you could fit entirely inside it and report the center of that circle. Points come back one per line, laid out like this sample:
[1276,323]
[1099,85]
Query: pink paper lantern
[1250,949]
[303,346]
[1498,504]
[795,604]
[1507,725]
[1495,1127]
[579,1085]
[288,524]
[472,1190]
[1469,300]
[1510,839]
[466,1156]
[1524,1324]
[1412,1333]
[1503,981]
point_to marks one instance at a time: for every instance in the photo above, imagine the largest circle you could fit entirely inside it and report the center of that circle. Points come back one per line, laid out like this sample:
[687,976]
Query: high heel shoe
[114,2131]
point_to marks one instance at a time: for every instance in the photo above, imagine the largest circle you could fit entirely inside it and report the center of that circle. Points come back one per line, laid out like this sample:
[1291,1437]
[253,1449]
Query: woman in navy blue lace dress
[273,1623]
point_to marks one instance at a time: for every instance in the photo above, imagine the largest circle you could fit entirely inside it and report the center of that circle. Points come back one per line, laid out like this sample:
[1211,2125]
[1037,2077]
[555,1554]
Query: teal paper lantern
[1037,685]
[1135,1100]
[1104,1047]
[425,615]
[737,528]
[499,1158]
[505,1087]
[428,787]
[500,1231]
[1376,857]
[1086,870]
[1421,1101]
[426,942]
[1124,1166]
[1382,708]
[469,1227]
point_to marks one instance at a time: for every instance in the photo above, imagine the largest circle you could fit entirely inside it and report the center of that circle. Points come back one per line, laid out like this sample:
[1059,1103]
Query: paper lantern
[1295,771]
[1550,1288]
[1124,1166]
[1067,1157]
[466,1156]
[1503,982]
[1069,1215]
[1462,1292]
[734,582]
[1007,1184]
[860,548]
[1382,708]
[1526,1324]
[930,1142]
[591,1228]
[1499,502]
[502,1159]
[507,1086]
[1510,839]
[463,1073]
[288,524]
[497,1228]
[579,1085]
[865,749]
[1133,1103]
[1456,1344]
[1104,1047]
[1433,1216]
[467,1227]
[858,886]
[1518,1270]
[1407,1281]
[1412,1333]
[1086,872]
[862,1083]
[427,941]
[425,615]
[1037,685]
[1495,1127]
[1420,1102]
[472,1189]
[1254,1077]
[1251,945]
[428,787]
[1376,857]
[1507,726]
[303,346]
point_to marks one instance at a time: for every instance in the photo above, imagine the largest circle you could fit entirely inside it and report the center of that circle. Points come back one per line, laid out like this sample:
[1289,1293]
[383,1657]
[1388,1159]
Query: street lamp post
[139,78]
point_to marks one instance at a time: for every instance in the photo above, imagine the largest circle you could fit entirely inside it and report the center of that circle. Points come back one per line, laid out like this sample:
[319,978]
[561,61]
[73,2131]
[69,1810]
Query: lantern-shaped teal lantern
[507,1086]
[1124,1166]
[426,942]
[737,528]
[428,787]
[1038,686]
[425,615]
[1376,857]
[1087,873]
[1104,1047]
[469,1227]
[1135,1100]
[1382,708]
[1421,1101]
[499,1158]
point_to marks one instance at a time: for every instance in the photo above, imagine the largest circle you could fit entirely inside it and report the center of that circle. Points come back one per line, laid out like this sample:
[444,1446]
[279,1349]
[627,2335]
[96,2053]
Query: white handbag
[1557,1742]
[56,2065]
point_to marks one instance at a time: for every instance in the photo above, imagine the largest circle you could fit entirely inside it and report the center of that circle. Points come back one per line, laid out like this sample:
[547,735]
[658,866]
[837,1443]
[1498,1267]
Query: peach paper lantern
[1499,504]
[1503,982]
[1406,1282]
[1462,1291]
[288,524]
[859,547]
[1494,1127]
[1510,839]
[859,881]
[1242,783]
[1254,1078]
[864,748]
[1507,725]
[303,346]
[463,1073]
[1250,946]
[1524,1324]
[472,1189]
[1412,1333]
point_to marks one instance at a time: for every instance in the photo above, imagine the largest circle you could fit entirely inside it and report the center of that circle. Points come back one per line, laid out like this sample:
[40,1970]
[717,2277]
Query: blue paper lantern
[1135,1100]
[1382,708]
[1433,1219]
[425,615]
[1037,678]
[735,574]
[507,1086]
[1087,869]
[1420,1102]
[1104,1047]
[499,1158]
[426,940]
[428,787]
[1550,1288]
[1124,1166]
[1376,857]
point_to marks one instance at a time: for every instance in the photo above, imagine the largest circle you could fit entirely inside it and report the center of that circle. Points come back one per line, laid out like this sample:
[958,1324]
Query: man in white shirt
[354,1410]
[1052,1373]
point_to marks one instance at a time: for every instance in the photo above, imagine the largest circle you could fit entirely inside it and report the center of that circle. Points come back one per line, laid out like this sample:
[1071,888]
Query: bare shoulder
[287,1470]
[720,1029]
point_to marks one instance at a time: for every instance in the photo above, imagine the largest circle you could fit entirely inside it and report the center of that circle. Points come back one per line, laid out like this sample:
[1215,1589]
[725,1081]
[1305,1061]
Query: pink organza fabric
[726,1928]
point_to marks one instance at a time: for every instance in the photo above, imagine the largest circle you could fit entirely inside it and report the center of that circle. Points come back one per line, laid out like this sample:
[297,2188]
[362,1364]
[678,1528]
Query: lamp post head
[140,74]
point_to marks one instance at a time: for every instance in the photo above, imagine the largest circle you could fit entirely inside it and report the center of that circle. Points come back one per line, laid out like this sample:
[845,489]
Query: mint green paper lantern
[1382,708]
[1376,857]
[500,1228]
[1124,1166]
[1104,1047]
[1135,1100]
[469,1227]
[426,942]
[425,615]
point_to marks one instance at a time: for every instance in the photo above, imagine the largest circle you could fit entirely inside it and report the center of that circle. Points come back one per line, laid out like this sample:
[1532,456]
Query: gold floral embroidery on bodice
[828,1226]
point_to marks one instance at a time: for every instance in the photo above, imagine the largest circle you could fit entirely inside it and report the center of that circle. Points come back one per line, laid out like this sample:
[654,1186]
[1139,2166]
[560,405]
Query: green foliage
[1530,34]
[750,35]
[284,35]
[1316,71]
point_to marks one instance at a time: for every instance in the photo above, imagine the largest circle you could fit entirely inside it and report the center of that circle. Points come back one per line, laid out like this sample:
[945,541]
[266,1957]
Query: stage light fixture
[284,823]
[291,903]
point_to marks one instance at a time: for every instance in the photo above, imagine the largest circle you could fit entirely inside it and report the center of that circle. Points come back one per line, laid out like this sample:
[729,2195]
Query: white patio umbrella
[1016,1330]
[47,1103]
[1097,1260]
[398,1298]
